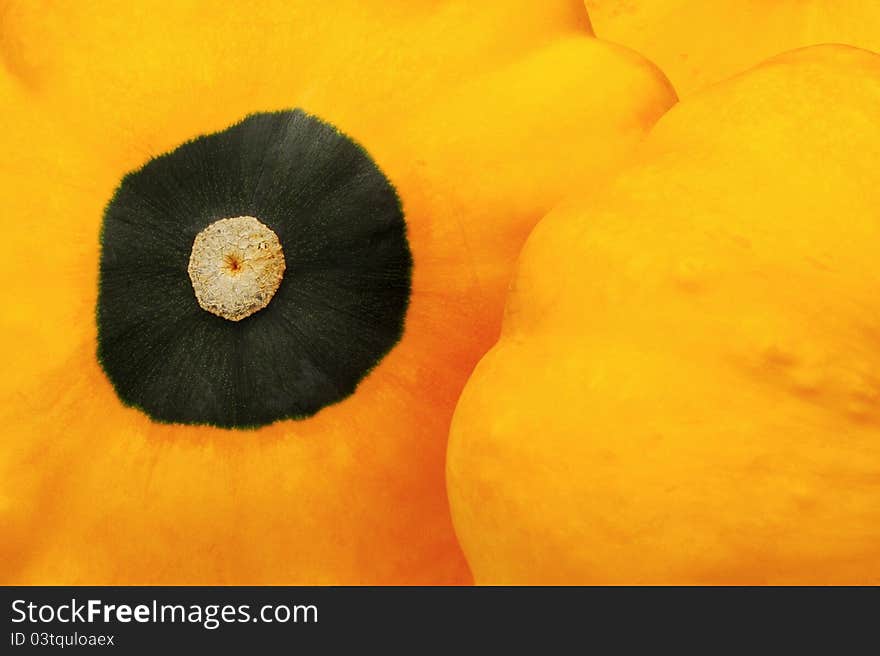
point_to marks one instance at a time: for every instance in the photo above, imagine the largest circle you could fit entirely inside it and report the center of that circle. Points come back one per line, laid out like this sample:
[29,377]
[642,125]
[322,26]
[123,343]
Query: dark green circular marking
[340,307]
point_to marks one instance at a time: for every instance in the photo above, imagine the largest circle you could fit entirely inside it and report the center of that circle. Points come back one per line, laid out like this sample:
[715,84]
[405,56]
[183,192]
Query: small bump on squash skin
[685,390]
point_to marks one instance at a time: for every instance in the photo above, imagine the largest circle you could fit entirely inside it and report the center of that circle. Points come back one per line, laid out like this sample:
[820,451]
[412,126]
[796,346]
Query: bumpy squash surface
[479,115]
[686,389]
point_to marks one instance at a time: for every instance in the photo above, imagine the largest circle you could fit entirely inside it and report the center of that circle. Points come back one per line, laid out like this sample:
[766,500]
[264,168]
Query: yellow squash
[698,42]
[686,388]
[479,115]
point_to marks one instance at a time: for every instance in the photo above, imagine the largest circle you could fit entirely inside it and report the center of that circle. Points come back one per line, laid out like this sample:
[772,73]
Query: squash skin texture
[699,43]
[685,390]
[95,493]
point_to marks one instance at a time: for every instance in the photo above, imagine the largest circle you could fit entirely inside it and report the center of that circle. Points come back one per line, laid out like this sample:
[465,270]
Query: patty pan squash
[256,249]
[686,390]
[698,43]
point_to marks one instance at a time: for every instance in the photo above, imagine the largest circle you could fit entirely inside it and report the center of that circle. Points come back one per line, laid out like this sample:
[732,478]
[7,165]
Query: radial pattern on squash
[338,309]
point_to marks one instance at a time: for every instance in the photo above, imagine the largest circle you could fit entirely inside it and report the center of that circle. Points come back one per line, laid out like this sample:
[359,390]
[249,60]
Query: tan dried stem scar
[236,266]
